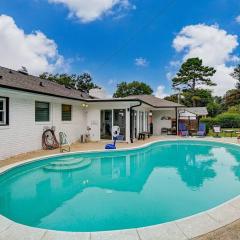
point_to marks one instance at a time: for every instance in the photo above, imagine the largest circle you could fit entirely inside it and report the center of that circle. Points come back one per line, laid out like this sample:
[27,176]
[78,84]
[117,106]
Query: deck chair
[201,130]
[216,130]
[64,143]
[183,130]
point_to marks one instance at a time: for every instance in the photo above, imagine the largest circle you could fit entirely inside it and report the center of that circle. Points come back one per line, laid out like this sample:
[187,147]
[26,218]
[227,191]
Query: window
[42,112]
[66,112]
[4,111]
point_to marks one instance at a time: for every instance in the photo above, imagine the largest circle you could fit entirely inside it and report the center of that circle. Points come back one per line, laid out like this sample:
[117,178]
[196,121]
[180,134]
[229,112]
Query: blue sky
[124,41]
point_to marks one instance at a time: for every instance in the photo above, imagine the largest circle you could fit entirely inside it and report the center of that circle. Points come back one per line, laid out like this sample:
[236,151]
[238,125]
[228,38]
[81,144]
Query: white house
[28,104]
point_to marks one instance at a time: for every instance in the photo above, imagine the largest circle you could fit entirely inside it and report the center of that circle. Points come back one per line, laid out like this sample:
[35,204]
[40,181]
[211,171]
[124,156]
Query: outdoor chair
[201,130]
[183,130]
[64,143]
[217,130]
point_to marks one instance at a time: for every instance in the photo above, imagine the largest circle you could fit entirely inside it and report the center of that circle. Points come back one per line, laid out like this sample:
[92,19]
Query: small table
[192,131]
[228,131]
[143,135]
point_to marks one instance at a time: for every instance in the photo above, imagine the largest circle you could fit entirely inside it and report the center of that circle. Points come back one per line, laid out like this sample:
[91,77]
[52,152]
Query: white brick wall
[23,134]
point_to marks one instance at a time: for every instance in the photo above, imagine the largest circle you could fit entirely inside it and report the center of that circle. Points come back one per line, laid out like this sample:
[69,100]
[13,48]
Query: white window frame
[4,110]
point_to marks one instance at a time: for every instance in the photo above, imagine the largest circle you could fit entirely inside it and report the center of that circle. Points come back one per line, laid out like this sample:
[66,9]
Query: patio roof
[199,111]
[154,101]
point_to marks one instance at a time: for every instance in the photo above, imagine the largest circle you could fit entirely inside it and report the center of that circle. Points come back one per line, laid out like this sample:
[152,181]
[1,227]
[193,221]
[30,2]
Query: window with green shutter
[42,111]
[66,112]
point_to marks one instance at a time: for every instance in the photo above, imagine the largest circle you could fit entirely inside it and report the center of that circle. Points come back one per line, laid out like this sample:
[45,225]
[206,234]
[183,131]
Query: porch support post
[128,124]
[176,112]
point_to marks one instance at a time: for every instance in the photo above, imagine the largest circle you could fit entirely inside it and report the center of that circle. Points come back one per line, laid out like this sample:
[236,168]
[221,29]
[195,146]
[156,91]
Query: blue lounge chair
[183,130]
[201,130]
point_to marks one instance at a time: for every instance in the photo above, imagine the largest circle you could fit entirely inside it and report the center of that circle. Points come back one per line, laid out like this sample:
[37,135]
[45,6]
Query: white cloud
[90,10]
[212,44]
[34,51]
[238,19]
[176,63]
[141,62]
[160,93]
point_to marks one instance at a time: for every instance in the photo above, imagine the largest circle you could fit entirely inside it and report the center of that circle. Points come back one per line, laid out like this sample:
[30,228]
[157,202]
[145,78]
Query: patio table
[226,131]
[192,131]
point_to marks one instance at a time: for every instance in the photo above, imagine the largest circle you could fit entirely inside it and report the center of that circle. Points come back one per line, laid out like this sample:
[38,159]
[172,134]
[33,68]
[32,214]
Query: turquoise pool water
[119,190]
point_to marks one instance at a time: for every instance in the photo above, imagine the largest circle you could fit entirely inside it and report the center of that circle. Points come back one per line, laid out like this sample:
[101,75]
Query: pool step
[67,162]
[69,166]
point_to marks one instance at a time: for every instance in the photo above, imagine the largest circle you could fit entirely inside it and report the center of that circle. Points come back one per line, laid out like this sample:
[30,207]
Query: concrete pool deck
[222,221]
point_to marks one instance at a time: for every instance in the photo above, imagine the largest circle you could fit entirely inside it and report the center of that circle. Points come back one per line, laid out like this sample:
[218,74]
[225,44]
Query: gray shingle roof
[19,81]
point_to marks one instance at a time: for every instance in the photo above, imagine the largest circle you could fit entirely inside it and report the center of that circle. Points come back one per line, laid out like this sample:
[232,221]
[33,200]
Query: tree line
[191,85]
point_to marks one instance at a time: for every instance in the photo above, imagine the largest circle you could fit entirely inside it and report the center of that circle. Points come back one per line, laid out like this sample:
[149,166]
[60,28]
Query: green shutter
[42,112]
[66,112]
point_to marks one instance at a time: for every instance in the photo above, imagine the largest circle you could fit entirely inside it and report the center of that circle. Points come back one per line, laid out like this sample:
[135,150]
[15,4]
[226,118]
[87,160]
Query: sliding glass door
[106,124]
[110,118]
[119,119]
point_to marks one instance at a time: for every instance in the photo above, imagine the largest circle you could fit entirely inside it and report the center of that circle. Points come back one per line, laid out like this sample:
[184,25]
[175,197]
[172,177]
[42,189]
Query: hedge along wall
[225,120]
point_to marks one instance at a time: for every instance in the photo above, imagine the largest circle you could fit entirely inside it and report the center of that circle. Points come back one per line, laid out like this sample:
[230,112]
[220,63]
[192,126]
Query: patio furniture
[201,130]
[164,131]
[192,131]
[64,143]
[120,137]
[228,131]
[217,130]
[142,135]
[183,130]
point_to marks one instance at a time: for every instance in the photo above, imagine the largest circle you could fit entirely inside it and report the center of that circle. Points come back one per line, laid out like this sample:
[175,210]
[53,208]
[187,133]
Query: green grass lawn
[222,134]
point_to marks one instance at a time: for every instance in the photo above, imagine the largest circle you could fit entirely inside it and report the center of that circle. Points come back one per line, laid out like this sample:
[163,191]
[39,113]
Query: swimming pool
[126,189]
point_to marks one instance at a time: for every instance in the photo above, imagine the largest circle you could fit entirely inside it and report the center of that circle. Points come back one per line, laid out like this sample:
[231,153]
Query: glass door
[106,124]
[119,119]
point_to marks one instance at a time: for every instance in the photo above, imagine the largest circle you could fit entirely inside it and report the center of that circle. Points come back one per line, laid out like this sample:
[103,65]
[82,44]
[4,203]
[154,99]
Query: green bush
[228,120]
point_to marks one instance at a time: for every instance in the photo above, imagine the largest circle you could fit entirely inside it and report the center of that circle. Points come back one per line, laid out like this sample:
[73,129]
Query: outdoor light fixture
[84,105]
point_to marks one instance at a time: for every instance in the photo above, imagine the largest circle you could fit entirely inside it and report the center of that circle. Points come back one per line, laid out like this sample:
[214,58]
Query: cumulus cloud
[34,51]
[90,10]
[214,46]
[160,93]
[141,62]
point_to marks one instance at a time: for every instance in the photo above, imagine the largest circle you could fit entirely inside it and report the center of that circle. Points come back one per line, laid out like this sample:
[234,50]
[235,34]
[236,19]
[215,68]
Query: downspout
[131,119]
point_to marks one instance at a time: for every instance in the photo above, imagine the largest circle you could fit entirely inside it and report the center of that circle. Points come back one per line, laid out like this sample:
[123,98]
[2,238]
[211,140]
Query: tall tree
[125,89]
[83,82]
[236,75]
[231,98]
[191,76]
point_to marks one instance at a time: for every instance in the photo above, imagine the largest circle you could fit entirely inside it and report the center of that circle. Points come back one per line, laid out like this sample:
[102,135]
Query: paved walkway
[229,232]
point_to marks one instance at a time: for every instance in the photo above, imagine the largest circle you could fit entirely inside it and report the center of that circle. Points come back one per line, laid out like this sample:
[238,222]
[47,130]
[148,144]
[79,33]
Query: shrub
[228,120]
